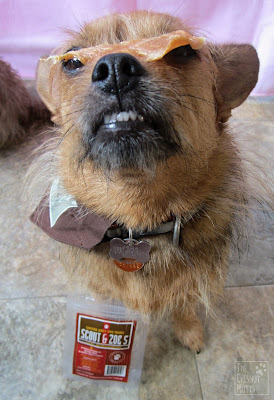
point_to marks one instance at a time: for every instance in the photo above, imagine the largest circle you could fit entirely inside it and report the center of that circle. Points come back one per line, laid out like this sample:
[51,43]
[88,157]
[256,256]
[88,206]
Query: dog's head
[120,111]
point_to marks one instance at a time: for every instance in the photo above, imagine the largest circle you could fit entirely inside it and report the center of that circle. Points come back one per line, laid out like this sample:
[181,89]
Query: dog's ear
[238,68]
[45,76]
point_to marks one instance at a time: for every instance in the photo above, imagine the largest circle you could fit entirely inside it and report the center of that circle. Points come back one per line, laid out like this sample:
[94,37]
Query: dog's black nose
[116,73]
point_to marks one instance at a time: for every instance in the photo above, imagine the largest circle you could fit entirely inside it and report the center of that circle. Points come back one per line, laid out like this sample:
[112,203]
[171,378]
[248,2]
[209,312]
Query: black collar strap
[64,220]
[172,225]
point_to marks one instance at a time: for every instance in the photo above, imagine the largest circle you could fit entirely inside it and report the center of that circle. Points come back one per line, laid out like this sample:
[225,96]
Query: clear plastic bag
[104,342]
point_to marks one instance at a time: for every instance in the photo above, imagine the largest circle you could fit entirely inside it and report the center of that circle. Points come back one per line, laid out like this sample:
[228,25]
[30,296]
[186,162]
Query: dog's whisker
[178,96]
[189,94]
[198,98]
[74,112]
[195,86]
[62,138]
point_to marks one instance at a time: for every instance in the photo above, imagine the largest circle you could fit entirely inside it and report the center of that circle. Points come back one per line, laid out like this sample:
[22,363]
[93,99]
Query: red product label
[103,348]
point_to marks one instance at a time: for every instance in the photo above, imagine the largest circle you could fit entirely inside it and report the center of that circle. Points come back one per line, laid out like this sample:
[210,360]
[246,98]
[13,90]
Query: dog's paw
[189,331]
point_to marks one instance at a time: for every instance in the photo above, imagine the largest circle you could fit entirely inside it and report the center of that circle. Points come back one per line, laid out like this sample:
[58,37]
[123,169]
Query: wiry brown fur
[206,177]
[18,110]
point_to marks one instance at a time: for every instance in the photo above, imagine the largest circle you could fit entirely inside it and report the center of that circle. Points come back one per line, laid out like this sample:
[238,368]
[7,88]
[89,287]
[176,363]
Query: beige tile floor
[33,293]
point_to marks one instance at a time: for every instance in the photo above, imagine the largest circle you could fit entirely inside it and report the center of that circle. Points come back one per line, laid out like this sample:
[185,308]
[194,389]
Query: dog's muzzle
[116,74]
[124,124]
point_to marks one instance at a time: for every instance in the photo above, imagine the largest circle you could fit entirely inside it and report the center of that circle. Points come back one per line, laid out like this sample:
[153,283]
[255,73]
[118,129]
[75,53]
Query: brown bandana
[82,231]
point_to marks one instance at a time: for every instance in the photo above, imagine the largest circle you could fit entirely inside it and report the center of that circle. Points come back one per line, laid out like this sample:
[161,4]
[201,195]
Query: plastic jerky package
[105,342]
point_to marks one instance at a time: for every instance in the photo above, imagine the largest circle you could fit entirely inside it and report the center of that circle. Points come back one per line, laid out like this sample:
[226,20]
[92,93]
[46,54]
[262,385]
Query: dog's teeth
[123,117]
[132,115]
[113,118]
[106,119]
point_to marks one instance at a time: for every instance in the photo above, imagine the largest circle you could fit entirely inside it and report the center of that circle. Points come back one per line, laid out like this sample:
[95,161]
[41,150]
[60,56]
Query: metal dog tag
[129,254]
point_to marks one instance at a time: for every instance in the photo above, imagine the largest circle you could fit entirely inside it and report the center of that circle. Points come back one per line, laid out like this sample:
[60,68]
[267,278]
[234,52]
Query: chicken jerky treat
[148,49]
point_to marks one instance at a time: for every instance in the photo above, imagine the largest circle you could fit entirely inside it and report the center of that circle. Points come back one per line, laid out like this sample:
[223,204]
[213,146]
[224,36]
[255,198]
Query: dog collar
[63,219]
[172,225]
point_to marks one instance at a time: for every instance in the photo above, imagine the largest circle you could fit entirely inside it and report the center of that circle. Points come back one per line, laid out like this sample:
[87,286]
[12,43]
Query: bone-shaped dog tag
[129,254]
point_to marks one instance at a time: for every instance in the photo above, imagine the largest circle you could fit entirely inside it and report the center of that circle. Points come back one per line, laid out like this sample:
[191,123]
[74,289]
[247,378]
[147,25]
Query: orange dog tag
[128,264]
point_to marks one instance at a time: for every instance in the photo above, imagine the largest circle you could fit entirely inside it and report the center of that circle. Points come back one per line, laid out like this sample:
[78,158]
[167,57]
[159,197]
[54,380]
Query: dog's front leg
[189,330]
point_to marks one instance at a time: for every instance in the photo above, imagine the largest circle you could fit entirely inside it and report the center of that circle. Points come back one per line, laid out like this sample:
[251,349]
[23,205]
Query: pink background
[31,28]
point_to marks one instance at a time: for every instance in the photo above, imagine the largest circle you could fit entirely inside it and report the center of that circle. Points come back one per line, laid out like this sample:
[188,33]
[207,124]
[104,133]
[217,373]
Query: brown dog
[18,109]
[145,145]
